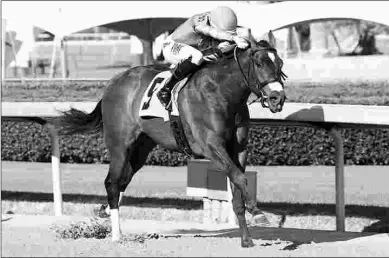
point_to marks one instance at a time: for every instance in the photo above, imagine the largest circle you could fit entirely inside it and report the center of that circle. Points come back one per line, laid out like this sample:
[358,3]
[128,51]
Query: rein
[258,88]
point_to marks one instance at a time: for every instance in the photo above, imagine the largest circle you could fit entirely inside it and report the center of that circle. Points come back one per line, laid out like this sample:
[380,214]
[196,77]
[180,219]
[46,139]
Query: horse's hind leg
[119,141]
[143,146]
[126,176]
[116,165]
[137,156]
[122,167]
[139,153]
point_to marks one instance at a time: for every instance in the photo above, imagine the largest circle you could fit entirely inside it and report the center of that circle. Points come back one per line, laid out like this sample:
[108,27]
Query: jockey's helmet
[224,18]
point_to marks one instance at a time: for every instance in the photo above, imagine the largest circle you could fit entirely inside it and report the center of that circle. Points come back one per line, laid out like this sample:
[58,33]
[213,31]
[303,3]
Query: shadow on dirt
[182,204]
[5,219]
[296,237]
[279,208]
[381,226]
[367,211]
[271,236]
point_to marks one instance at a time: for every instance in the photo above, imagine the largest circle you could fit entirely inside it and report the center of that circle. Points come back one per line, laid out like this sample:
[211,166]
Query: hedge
[274,146]
[362,92]
[292,146]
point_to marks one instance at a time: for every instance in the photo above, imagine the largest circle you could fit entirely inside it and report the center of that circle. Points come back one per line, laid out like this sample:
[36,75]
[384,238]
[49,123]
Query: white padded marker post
[231,217]
[3,49]
[55,168]
[207,209]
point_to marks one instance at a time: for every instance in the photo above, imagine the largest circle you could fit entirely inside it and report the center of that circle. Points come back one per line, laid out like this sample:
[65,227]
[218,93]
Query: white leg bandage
[115,223]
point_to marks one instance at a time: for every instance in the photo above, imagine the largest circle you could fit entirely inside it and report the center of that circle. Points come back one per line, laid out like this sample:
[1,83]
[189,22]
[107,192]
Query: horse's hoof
[101,212]
[247,243]
[260,220]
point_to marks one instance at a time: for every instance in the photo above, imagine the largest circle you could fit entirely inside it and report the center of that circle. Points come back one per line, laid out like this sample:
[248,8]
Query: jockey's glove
[225,47]
[241,42]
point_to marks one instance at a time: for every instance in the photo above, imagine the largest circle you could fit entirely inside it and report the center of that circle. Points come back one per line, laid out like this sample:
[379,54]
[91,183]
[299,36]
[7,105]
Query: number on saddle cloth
[156,81]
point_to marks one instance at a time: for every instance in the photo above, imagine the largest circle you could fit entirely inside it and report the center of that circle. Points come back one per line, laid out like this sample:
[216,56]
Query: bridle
[258,87]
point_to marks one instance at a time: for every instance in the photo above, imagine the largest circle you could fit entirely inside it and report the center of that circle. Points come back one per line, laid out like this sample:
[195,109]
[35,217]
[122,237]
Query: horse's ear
[246,33]
[272,39]
[253,42]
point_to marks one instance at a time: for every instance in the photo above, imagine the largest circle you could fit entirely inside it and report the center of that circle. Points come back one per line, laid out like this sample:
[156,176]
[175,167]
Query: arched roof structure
[147,19]
[132,16]
[283,14]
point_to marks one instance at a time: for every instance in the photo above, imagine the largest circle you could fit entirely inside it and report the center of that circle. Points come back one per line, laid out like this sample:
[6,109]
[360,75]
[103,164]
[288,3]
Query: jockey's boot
[180,72]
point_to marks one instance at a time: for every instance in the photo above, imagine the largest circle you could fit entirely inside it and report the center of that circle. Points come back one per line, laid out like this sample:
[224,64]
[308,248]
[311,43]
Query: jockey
[183,47]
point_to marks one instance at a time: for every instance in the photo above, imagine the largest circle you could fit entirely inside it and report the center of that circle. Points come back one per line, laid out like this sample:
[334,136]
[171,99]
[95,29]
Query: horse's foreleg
[221,160]
[239,154]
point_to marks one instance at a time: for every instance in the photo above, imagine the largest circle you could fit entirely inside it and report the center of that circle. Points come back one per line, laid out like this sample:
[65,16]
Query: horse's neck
[227,76]
[236,79]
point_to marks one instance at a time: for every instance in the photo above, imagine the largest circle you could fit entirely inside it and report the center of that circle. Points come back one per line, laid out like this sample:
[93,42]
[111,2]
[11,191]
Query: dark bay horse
[214,113]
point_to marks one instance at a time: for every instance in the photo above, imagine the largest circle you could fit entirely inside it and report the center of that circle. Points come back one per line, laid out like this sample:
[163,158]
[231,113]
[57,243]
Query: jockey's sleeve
[200,25]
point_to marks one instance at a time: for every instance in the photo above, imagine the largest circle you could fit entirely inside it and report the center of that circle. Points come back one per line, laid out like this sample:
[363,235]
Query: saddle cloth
[150,104]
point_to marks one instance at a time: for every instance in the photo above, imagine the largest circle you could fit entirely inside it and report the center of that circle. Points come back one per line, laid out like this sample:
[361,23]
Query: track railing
[326,116]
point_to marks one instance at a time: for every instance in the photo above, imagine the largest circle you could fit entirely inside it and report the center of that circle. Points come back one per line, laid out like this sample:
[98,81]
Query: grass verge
[99,229]
[363,92]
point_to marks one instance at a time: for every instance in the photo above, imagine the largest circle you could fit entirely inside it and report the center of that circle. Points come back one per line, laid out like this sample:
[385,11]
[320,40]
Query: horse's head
[269,86]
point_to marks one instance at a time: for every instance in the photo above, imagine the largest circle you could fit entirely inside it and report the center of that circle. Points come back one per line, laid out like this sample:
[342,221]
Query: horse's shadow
[296,237]
[178,203]
[313,116]
[276,208]
[314,113]
[293,235]
[381,226]
[275,236]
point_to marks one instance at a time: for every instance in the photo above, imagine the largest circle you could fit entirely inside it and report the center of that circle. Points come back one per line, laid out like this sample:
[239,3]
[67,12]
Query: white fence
[35,111]
[326,116]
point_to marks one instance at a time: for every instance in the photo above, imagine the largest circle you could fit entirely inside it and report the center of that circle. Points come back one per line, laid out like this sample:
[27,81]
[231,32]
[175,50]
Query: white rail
[326,116]
[37,111]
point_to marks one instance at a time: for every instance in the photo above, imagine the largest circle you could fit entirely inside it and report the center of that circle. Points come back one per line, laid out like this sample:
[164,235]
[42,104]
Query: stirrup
[169,105]
[165,104]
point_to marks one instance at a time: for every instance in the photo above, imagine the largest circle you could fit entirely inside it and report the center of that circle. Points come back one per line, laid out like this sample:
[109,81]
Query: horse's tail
[76,121]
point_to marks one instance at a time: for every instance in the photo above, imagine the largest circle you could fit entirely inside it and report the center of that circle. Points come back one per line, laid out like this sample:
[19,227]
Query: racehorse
[214,114]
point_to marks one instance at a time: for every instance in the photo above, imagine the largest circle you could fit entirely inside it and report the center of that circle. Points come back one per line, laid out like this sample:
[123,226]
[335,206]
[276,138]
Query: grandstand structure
[123,34]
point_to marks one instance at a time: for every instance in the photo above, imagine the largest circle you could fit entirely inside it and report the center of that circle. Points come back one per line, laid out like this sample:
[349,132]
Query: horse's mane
[225,58]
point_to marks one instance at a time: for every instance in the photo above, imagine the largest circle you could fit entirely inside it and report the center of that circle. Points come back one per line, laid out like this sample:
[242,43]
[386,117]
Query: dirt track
[24,235]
